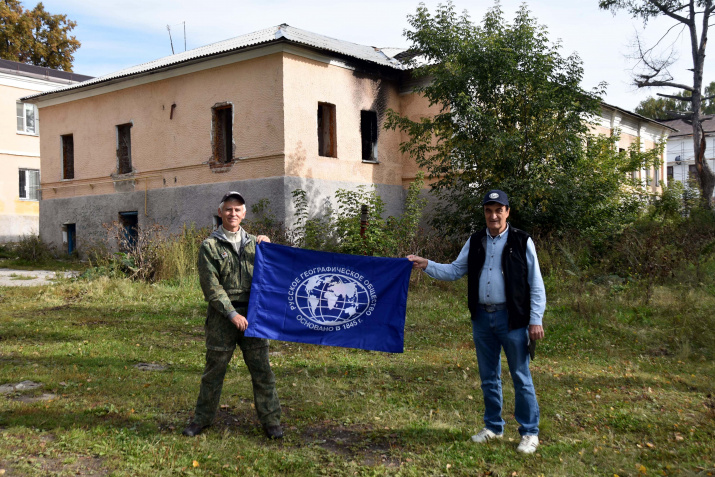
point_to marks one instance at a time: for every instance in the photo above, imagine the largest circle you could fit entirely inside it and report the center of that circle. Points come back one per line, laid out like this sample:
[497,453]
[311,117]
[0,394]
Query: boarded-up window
[327,142]
[368,133]
[223,133]
[124,148]
[67,156]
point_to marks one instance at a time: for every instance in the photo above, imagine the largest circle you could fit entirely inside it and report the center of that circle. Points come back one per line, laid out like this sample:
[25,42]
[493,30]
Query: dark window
[124,148]
[130,223]
[648,178]
[692,171]
[670,173]
[67,156]
[29,184]
[327,143]
[223,133]
[656,177]
[368,133]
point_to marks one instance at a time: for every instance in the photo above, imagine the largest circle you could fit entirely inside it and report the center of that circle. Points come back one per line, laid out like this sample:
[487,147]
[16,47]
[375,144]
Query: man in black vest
[506,299]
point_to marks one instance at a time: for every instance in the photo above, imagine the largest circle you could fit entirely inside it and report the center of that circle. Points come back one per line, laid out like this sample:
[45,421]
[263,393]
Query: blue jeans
[491,333]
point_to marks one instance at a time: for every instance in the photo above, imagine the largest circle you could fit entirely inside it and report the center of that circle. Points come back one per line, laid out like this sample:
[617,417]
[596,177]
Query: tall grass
[178,255]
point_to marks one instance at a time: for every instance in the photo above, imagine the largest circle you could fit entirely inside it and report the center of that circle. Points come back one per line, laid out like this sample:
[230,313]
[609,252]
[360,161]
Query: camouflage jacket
[226,271]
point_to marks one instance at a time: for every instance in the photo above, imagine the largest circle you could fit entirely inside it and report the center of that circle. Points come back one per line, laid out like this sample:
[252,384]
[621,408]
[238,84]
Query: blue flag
[328,298]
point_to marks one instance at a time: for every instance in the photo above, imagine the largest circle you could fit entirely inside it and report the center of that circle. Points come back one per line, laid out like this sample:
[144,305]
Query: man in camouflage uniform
[225,272]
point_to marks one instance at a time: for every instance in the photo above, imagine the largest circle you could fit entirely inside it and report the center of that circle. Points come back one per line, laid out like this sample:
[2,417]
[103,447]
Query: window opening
[692,172]
[27,118]
[29,184]
[327,141]
[130,232]
[124,148]
[223,133]
[368,133]
[67,156]
[670,173]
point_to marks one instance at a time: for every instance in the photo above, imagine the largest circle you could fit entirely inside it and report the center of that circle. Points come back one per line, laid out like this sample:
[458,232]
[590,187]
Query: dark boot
[193,429]
[274,431]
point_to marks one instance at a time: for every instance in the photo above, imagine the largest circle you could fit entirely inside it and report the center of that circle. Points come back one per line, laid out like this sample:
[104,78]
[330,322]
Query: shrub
[31,249]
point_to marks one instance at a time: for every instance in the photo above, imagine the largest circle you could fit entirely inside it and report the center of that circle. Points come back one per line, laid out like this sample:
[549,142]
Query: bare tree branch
[670,13]
[672,96]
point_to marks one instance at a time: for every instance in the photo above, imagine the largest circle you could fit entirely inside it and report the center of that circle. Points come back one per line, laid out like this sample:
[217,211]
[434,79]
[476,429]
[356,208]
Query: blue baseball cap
[496,195]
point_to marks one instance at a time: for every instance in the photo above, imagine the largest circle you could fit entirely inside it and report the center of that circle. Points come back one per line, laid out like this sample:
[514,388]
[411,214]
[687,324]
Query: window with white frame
[27,118]
[29,184]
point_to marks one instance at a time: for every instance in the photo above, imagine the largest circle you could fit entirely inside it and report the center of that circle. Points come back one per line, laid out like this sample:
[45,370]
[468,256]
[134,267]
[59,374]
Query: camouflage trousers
[221,340]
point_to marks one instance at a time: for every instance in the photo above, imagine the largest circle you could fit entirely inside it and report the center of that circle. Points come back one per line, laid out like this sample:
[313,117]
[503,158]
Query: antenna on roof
[168,28]
[184,36]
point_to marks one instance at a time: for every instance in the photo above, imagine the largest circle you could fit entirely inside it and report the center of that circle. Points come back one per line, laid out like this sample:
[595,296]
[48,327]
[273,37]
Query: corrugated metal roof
[273,34]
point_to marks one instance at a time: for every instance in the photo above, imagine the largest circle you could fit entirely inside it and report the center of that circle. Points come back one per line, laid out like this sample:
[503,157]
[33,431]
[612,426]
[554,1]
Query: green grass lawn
[625,388]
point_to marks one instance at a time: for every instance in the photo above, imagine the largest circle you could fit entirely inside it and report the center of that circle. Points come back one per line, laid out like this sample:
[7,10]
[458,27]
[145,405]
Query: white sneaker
[486,435]
[528,444]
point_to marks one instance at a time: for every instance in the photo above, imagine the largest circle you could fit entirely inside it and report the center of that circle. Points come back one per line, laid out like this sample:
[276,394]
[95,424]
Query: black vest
[516,272]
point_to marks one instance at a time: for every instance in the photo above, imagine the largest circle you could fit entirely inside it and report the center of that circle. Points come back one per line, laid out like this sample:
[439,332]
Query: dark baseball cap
[233,195]
[496,195]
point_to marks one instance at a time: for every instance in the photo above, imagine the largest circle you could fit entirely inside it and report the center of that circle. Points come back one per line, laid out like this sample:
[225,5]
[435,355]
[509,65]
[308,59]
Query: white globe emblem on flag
[494,195]
[332,299]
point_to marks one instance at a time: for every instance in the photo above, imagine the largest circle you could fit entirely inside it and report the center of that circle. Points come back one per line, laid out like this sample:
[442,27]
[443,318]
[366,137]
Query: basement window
[130,230]
[368,134]
[67,156]
[327,142]
[124,148]
[223,133]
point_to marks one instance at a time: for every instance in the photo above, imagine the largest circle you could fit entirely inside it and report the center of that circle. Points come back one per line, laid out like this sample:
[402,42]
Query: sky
[121,33]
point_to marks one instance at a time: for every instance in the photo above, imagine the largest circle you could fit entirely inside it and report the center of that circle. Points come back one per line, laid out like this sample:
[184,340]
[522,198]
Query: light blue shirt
[491,280]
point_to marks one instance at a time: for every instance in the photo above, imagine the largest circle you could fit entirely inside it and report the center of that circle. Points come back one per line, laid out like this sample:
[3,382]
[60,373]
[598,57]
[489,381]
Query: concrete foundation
[178,206]
[14,227]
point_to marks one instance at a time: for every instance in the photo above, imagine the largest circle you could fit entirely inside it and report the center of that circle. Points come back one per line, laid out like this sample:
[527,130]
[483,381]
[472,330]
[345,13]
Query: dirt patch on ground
[74,465]
[364,444]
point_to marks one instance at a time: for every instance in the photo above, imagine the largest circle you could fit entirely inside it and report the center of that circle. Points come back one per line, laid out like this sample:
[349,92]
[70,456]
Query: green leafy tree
[667,108]
[511,116]
[36,36]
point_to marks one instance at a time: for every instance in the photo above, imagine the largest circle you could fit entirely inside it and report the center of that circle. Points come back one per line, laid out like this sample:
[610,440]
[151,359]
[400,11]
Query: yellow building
[20,144]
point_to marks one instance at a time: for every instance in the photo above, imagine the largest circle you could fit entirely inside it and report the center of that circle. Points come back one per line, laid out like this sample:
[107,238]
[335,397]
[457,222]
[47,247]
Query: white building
[680,157]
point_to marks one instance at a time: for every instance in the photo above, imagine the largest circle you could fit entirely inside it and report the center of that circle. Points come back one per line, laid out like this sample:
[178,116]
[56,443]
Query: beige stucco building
[264,113]
[20,144]
[633,128]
